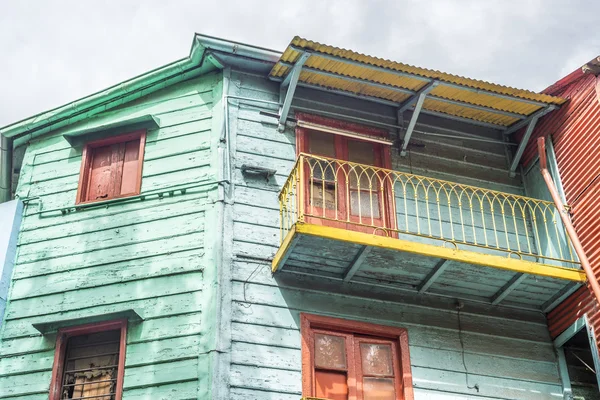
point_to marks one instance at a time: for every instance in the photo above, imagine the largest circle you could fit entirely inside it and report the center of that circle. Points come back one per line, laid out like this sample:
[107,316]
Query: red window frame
[88,157]
[361,331]
[62,339]
[383,159]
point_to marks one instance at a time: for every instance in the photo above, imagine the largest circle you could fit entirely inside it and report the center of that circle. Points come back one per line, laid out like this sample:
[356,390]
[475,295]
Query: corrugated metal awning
[352,73]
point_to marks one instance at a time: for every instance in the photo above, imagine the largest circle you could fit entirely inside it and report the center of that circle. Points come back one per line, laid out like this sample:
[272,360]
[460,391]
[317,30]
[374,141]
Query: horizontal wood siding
[144,255]
[507,353]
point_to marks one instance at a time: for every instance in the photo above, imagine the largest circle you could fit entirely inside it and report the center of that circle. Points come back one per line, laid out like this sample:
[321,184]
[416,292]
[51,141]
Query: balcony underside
[357,257]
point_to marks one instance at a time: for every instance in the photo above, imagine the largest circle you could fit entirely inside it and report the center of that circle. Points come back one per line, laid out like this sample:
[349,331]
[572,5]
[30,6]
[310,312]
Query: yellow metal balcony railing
[364,198]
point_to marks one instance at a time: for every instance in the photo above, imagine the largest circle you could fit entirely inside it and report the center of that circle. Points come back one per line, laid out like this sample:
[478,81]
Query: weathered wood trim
[61,345]
[466,256]
[309,322]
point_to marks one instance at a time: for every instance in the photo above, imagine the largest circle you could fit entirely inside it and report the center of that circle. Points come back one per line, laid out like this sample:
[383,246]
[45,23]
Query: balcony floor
[364,258]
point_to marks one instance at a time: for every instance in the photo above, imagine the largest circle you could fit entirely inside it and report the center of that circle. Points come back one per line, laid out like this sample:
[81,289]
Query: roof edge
[96,102]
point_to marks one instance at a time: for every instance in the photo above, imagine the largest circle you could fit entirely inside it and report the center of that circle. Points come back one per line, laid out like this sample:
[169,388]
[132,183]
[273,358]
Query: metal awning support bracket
[433,275]
[411,102]
[508,288]
[357,263]
[287,89]
[419,99]
[517,158]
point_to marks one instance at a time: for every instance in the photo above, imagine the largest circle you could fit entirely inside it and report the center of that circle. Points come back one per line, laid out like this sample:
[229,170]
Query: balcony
[357,223]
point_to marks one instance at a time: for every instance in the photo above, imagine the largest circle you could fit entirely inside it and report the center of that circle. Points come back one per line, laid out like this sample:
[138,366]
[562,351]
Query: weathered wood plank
[153,247]
[62,282]
[20,337]
[128,234]
[106,295]
[176,391]
[163,209]
[159,351]
[267,310]
[20,385]
[161,374]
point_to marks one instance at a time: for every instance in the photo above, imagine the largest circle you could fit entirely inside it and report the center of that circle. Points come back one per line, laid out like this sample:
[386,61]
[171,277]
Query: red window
[89,362]
[112,168]
[349,360]
[341,194]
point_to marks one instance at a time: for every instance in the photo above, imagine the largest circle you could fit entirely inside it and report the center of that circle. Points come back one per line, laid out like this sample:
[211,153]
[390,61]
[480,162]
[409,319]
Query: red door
[338,192]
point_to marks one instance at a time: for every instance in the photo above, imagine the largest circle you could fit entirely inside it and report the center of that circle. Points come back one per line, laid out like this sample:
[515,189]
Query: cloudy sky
[55,52]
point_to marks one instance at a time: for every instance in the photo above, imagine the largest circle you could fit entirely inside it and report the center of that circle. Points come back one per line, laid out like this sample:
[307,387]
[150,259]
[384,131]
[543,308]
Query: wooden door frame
[387,201]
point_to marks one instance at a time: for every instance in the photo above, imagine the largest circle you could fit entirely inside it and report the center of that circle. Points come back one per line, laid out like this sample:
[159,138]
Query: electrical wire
[462,346]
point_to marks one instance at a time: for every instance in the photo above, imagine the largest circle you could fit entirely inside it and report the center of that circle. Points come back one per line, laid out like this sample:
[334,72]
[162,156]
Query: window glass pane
[91,366]
[366,177]
[378,389]
[330,351]
[367,207]
[361,152]
[322,144]
[331,385]
[322,195]
[376,359]
[321,170]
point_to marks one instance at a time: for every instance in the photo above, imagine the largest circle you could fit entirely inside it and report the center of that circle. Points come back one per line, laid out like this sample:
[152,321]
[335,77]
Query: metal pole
[6,168]
[585,263]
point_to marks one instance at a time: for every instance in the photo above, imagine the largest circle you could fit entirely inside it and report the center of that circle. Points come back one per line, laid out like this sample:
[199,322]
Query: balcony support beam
[517,158]
[357,263]
[536,115]
[433,275]
[560,296]
[412,123]
[288,85]
[411,102]
[395,104]
[508,288]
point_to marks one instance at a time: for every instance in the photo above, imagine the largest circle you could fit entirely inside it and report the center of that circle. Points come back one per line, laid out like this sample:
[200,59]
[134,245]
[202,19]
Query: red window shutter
[100,182]
[129,181]
[112,168]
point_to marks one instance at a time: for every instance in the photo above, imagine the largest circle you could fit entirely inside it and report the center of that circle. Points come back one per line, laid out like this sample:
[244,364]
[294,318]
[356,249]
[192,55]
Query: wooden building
[317,223]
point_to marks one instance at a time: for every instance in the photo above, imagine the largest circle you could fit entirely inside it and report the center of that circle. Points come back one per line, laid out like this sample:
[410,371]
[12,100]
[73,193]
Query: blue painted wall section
[507,352]
[10,222]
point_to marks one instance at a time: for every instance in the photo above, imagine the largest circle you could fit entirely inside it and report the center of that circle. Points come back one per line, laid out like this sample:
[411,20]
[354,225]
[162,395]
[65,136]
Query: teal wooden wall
[156,256]
[508,352]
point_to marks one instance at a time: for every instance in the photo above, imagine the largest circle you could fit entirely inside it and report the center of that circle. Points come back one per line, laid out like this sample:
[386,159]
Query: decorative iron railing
[396,204]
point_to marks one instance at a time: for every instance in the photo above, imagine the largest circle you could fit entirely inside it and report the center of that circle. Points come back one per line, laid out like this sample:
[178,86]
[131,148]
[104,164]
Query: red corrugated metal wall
[575,132]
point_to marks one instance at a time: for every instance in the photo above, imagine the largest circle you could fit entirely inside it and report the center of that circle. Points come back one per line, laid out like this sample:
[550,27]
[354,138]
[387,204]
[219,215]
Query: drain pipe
[566,219]
[6,167]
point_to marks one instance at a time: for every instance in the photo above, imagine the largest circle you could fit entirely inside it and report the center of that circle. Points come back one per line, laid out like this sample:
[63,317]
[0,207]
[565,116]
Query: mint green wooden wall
[508,352]
[155,256]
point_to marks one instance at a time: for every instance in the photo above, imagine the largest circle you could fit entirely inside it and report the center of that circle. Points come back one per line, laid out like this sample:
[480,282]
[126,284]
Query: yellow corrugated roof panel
[411,78]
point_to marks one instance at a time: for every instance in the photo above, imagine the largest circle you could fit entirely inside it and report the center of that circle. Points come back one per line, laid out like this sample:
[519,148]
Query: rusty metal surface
[338,63]
[575,131]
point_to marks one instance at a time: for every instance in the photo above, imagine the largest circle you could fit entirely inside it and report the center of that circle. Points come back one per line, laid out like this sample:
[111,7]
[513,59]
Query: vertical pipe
[585,263]
[6,168]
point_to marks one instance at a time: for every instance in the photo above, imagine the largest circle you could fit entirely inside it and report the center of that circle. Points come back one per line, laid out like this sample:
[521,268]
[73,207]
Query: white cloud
[53,53]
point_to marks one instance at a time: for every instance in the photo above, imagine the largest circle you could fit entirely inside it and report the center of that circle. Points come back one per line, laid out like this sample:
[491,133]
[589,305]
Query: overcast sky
[53,52]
